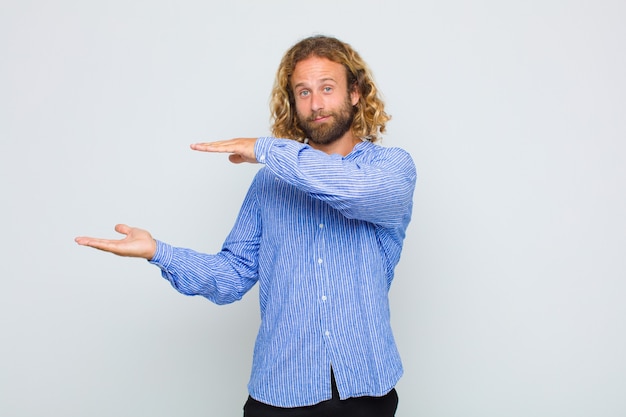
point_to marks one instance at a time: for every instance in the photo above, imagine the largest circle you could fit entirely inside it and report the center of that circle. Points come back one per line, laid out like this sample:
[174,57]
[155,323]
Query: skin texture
[138,243]
[323,105]
[323,102]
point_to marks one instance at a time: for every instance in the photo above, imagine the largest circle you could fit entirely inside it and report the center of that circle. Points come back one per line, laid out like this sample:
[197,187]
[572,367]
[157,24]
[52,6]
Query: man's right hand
[138,243]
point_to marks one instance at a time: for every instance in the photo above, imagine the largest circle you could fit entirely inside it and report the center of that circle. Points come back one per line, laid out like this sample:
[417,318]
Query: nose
[317,103]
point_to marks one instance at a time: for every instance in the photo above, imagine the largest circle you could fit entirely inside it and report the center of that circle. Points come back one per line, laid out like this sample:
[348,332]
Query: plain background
[509,298]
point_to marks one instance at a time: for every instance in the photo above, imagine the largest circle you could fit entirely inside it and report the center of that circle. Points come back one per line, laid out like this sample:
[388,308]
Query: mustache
[318,114]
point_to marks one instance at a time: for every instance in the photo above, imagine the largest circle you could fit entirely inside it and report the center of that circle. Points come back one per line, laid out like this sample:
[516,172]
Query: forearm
[219,278]
[379,191]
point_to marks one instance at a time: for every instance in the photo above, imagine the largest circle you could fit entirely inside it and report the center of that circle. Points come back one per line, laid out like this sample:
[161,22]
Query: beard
[328,132]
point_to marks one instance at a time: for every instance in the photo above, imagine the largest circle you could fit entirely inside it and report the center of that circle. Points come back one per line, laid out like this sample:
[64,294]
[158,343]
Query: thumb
[235,158]
[122,228]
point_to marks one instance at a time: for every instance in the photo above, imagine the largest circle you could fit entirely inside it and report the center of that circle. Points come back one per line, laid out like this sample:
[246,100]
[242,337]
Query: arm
[223,277]
[370,184]
[377,189]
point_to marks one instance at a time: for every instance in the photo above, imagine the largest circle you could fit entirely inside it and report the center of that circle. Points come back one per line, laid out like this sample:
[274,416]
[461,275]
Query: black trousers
[352,407]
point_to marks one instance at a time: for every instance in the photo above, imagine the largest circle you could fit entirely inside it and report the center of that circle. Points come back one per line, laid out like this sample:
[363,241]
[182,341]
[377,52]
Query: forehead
[316,69]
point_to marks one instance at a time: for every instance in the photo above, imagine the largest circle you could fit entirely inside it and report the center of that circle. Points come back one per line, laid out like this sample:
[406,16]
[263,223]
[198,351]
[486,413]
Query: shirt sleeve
[377,188]
[223,277]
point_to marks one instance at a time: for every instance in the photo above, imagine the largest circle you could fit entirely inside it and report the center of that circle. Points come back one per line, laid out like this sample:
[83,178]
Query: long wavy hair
[370,117]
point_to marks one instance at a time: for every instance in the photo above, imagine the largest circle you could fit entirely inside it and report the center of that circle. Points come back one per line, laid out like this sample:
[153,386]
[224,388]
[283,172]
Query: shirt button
[319,261]
[323,298]
[327,333]
[321,225]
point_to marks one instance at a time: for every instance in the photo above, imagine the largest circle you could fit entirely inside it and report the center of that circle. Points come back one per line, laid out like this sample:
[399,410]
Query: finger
[97,242]
[82,240]
[102,244]
[236,158]
[202,147]
[123,229]
[219,146]
[231,145]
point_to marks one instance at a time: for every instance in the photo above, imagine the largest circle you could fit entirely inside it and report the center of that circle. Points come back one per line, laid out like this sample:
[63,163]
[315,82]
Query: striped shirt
[322,235]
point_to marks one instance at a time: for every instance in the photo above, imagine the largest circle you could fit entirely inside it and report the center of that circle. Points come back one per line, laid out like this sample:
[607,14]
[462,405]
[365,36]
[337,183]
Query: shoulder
[376,153]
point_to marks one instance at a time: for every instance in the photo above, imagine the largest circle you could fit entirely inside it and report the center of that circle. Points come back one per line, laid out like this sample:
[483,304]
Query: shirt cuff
[163,254]
[262,148]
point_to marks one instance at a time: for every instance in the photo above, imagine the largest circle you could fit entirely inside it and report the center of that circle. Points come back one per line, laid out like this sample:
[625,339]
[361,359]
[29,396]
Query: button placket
[323,282]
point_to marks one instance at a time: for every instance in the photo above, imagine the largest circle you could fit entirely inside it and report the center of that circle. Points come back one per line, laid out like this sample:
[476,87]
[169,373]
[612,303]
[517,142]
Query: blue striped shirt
[322,235]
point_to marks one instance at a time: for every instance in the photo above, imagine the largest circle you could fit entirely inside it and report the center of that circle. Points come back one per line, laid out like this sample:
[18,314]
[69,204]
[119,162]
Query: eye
[328,89]
[304,93]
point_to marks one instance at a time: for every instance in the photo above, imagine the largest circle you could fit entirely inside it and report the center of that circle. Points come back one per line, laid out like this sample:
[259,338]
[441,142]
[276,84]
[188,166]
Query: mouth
[320,118]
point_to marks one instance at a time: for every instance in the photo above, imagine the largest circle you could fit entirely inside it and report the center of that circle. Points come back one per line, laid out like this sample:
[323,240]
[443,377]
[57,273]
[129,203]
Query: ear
[355,95]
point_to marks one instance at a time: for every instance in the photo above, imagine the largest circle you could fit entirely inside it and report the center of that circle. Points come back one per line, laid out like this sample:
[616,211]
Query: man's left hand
[240,149]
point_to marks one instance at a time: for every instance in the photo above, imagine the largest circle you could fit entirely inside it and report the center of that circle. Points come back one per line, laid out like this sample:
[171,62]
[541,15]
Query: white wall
[508,300]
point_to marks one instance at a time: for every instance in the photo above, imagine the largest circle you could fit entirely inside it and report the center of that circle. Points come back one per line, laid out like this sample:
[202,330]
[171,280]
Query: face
[324,107]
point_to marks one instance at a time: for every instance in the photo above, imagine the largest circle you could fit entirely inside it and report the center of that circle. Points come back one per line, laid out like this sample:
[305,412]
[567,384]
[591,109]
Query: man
[321,230]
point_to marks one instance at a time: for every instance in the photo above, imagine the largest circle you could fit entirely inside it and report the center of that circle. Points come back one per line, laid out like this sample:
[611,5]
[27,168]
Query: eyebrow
[323,80]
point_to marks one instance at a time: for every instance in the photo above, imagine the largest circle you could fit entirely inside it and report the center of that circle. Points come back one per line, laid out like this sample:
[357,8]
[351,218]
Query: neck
[342,146]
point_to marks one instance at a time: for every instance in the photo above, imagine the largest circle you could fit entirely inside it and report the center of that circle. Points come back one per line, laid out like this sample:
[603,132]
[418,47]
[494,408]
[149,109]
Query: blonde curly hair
[370,117]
